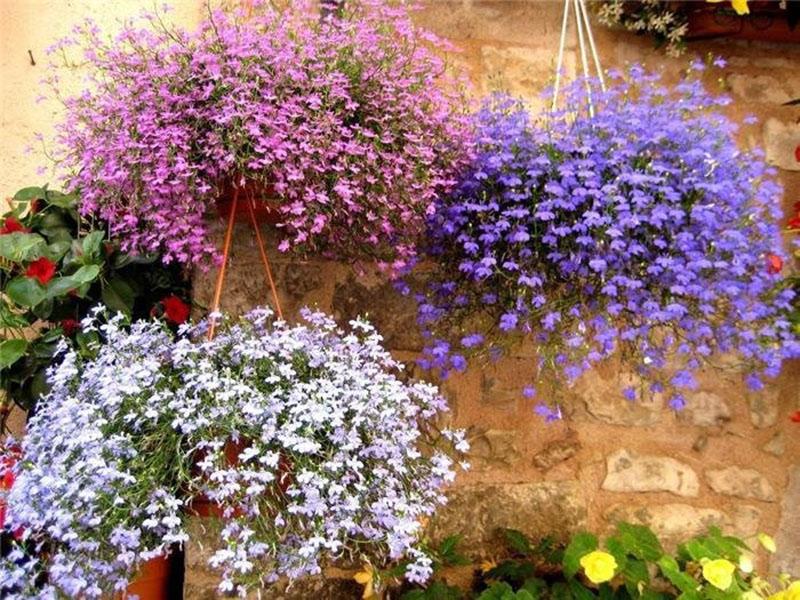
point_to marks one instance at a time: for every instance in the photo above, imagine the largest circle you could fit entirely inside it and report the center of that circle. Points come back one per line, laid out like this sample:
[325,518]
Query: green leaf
[560,591]
[580,591]
[86,274]
[25,291]
[57,249]
[92,245]
[9,319]
[44,309]
[58,286]
[634,573]
[119,297]
[62,200]
[20,247]
[30,193]
[517,541]
[686,584]
[11,351]
[639,541]
[580,545]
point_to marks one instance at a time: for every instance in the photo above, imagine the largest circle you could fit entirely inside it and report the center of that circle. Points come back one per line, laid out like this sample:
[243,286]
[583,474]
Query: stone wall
[729,459]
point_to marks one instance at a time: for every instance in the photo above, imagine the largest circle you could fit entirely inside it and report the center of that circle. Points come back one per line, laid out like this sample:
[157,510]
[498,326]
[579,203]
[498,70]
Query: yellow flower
[740,6]
[488,565]
[793,591]
[767,541]
[599,566]
[366,577]
[719,573]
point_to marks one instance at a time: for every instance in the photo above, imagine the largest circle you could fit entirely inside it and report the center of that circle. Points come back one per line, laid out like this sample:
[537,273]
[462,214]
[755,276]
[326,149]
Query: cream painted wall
[34,25]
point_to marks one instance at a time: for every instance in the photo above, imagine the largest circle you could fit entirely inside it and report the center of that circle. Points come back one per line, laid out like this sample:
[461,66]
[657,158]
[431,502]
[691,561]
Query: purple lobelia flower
[354,122]
[644,231]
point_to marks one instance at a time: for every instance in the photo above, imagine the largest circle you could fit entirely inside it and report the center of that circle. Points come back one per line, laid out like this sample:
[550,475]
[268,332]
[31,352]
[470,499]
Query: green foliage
[630,564]
[87,269]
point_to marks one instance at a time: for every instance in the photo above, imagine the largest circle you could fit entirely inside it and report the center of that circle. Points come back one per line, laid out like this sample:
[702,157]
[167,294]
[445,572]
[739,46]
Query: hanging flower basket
[337,456]
[152,582]
[265,203]
[643,232]
[354,120]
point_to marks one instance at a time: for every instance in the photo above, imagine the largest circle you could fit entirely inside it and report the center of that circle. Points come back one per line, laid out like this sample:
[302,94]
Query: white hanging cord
[592,46]
[581,21]
[584,60]
[560,60]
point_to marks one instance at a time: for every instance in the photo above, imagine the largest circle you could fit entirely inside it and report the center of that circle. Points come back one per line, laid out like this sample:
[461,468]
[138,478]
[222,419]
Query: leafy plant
[54,266]
[628,565]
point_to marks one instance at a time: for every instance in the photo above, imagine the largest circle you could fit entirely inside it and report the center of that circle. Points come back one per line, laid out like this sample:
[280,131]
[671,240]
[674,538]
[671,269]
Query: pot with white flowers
[108,465]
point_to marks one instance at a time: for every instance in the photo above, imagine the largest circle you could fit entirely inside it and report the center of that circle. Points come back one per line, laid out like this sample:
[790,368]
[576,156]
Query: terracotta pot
[152,582]
[766,22]
[266,203]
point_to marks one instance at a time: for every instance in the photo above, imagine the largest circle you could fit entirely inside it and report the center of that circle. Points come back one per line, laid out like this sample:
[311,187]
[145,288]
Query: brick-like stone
[392,314]
[787,535]
[604,401]
[629,472]
[741,483]
[557,452]
[764,407]
[762,89]
[776,445]
[706,409]
[493,448]
[674,522]
[522,71]
[554,508]
[780,141]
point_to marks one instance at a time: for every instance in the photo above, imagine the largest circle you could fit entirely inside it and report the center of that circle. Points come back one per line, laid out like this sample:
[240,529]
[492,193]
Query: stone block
[557,452]
[781,141]
[764,407]
[603,399]
[477,512]
[705,409]
[629,472]
[741,483]
[787,536]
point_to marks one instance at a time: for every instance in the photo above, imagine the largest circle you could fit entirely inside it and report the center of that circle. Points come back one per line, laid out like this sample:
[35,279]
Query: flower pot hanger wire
[247,5]
[584,34]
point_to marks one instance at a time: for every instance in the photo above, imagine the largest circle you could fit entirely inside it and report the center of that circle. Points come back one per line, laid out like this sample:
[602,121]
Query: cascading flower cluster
[353,121]
[335,457]
[644,230]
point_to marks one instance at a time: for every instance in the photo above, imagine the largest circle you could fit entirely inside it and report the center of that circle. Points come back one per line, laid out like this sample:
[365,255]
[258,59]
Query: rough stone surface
[745,520]
[537,509]
[776,445]
[603,399]
[758,88]
[671,522]
[393,315]
[493,448]
[764,408]
[629,472]
[787,558]
[742,483]
[780,141]
[556,452]
[521,71]
[706,409]
[498,386]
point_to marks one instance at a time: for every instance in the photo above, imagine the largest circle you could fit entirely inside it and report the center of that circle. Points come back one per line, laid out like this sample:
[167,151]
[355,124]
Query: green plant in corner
[54,267]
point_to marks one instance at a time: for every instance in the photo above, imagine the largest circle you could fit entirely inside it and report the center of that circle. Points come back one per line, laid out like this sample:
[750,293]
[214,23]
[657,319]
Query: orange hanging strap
[264,259]
[226,250]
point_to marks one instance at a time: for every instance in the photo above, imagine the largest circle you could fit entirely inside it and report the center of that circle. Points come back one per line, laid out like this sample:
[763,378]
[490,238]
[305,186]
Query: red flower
[70,326]
[11,225]
[42,269]
[774,264]
[797,153]
[796,417]
[794,222]
[175,310]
